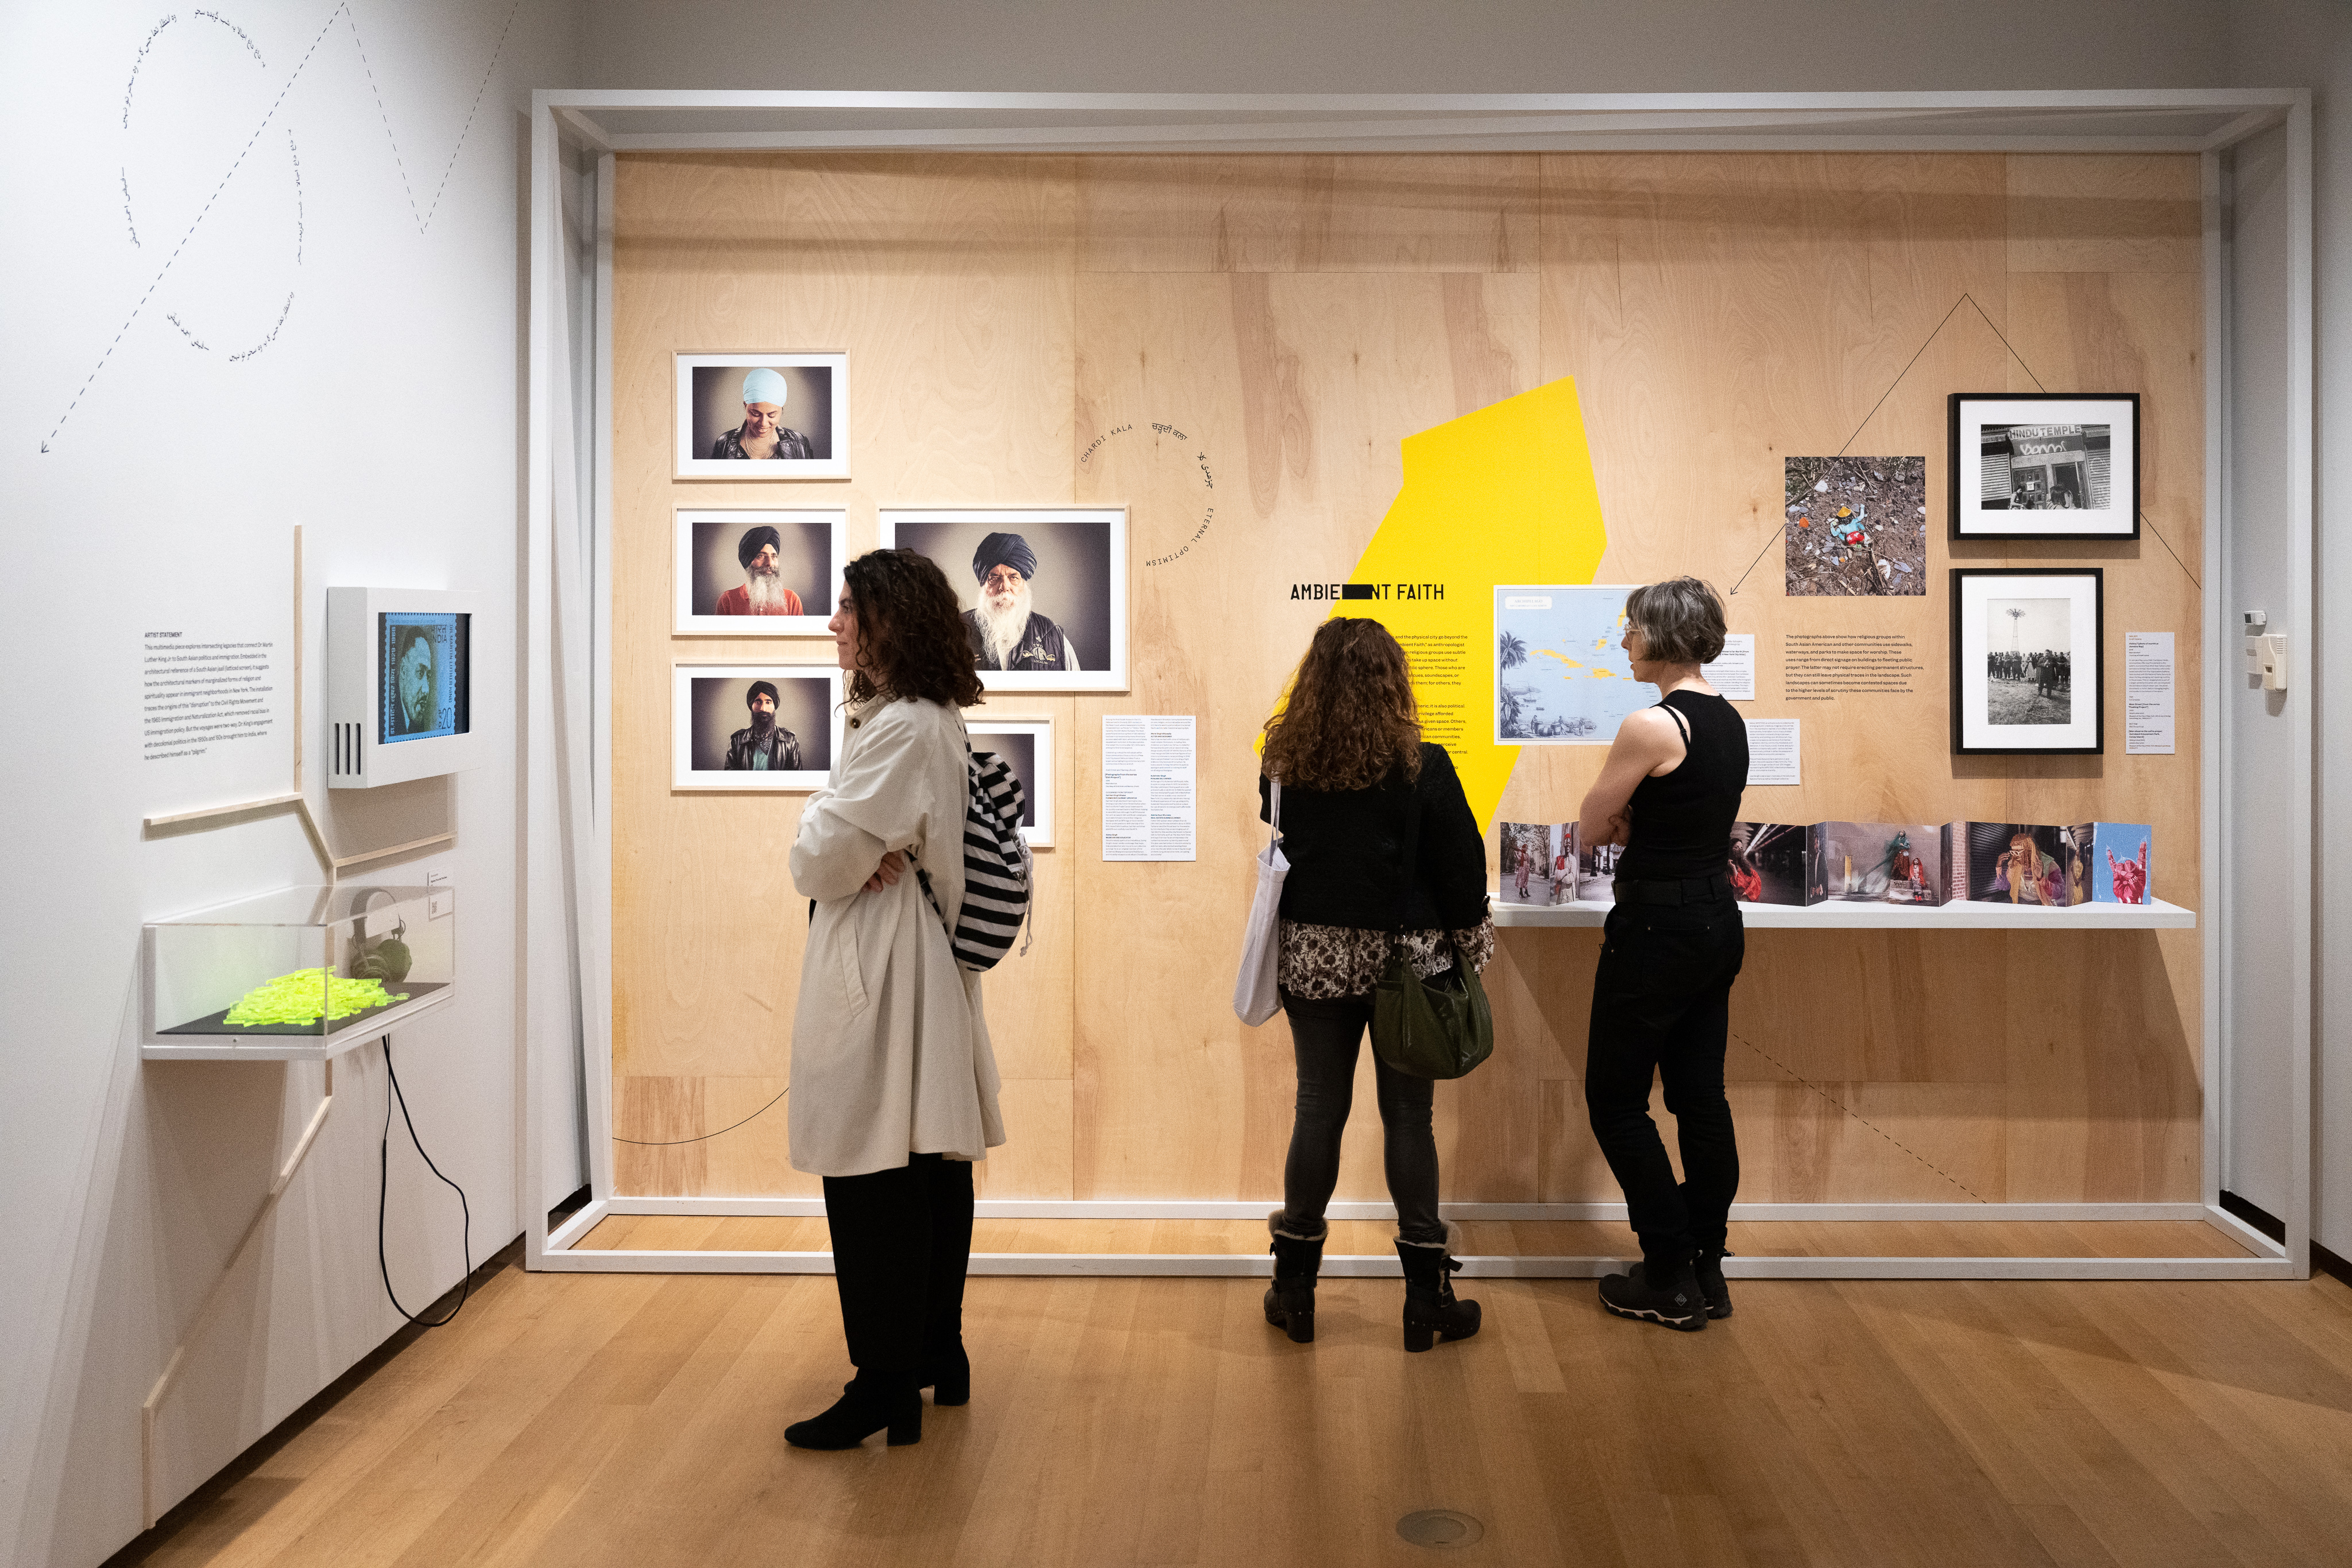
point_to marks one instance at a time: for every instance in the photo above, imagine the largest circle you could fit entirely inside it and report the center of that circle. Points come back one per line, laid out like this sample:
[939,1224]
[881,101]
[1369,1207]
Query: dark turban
[753,540]
[1003,549]
[753,694]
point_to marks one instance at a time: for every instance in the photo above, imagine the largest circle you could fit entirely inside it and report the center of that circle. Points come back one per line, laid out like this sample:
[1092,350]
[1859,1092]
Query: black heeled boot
[947,1374]
[1430,1313]
[869,1402]
[1290,1300]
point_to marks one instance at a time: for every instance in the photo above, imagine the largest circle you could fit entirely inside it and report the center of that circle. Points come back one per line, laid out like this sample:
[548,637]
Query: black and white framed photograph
[2045,465]
[1043,590]
[1028,745]
[2027,674]
[762,416]
[744,573]
[753,726]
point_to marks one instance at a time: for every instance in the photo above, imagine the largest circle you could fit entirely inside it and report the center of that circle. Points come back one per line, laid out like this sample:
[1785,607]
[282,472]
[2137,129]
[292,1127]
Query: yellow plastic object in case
[302,973]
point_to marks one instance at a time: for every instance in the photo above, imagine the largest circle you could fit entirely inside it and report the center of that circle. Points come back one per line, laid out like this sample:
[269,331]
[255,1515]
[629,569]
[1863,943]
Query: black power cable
[383,1184]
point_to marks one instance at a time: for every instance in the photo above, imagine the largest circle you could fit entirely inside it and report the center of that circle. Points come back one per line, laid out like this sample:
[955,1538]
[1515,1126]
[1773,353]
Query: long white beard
[1001,628]
[766,593]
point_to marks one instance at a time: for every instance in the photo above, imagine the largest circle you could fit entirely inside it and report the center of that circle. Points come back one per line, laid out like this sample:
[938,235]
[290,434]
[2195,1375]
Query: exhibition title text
[1319,592]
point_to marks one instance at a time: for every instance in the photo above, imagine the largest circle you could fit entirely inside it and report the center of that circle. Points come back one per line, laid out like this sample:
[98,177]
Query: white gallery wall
[264,270]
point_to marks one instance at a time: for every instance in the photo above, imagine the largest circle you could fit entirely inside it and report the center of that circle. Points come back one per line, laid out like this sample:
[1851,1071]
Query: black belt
[1682,890]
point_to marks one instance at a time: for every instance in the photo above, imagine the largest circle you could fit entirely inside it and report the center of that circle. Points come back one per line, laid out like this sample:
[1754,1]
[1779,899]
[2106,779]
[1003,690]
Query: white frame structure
[572,129]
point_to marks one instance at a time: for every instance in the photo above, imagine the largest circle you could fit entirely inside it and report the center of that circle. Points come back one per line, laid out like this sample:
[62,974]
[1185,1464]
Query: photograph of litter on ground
[1857,524]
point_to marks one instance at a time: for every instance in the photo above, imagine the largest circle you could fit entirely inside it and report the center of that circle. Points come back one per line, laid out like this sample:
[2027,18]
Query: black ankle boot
[1708,1267]
[868,1403]
[947,1374]
[1290,1300]
[1430,1313]
[1677,1302]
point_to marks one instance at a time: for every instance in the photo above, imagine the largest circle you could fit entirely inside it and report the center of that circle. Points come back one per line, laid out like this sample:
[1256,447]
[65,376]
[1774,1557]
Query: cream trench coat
[890,1051]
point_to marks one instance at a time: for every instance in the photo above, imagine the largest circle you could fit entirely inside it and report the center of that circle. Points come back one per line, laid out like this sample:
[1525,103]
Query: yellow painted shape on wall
[1504,495]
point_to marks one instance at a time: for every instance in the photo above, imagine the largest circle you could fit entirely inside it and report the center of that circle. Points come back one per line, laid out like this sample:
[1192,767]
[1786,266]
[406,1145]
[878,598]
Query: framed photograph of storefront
[1027,744]
[2027,673]
[2045,465]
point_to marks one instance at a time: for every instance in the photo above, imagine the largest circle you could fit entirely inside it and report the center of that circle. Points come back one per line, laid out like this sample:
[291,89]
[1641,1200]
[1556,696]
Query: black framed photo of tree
[2045,465]
[2027,672]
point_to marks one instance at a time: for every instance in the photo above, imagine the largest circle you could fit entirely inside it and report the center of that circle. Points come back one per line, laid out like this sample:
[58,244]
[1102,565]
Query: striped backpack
[997,868]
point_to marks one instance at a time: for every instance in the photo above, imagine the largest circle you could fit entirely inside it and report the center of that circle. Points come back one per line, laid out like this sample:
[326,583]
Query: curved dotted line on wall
[342,12]
[133,85]
[1863,1120]
[242,36]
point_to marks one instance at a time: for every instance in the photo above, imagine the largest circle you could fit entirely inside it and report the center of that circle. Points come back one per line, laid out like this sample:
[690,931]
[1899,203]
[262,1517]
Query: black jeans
[1662,1002]
[1325,1035]
[901,1242]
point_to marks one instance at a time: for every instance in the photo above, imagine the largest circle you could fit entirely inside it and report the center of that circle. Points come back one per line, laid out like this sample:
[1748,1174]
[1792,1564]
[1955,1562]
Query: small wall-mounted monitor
[399,676]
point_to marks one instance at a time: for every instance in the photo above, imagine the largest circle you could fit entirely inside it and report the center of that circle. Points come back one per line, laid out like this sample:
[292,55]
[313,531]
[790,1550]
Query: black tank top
[1682,821]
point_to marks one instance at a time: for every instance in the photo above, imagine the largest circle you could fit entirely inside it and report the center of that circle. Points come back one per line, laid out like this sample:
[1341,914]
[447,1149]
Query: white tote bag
[1253,987]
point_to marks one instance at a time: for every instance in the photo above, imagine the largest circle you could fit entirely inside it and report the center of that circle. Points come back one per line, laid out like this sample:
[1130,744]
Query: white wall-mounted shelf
[1843,915]
[351,1036]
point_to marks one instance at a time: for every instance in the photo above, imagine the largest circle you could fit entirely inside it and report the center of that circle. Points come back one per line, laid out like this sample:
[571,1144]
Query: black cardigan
[1347,851]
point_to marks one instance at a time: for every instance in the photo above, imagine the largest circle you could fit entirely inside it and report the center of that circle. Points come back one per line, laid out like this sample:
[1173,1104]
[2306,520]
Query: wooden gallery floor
[580,1419]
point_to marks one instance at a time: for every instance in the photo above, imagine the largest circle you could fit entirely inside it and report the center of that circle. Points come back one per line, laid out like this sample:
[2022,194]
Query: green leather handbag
[1437,1028]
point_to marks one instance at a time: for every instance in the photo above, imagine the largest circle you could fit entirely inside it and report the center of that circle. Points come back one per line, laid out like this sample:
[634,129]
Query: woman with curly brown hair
[1383,847]
[894,1086]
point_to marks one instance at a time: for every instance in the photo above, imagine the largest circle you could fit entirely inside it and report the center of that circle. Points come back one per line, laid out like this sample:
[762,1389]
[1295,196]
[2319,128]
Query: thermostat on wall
[400,680]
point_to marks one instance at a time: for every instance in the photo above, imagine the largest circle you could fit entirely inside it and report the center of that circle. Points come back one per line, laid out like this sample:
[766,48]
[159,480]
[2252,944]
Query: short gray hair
[1680,621]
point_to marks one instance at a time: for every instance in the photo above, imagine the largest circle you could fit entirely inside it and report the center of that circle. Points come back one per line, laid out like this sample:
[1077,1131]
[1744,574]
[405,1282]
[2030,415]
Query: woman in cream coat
[893,1086]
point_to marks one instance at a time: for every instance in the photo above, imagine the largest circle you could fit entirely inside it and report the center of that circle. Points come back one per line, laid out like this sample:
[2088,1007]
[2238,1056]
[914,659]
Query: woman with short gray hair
[1661,996]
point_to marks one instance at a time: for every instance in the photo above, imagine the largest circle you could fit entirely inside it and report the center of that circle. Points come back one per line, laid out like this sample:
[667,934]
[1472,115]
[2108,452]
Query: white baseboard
[1199,1208]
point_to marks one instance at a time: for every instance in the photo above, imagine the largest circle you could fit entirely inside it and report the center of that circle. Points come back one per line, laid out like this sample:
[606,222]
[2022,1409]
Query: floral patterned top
[1322,962]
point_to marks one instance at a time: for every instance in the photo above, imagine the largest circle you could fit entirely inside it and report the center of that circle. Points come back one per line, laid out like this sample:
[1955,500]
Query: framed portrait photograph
[2027,674]
[762,416]
[1043,589]
[1028,745]
[744,573]
[753,726]
[2042,465]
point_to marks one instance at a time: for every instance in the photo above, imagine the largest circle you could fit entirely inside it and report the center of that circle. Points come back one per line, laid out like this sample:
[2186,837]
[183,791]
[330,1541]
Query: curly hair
[1349,716]
[909,631]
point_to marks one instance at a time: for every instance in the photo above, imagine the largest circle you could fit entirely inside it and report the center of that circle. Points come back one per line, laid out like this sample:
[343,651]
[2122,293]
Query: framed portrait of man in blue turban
[1043,590]
[782,415]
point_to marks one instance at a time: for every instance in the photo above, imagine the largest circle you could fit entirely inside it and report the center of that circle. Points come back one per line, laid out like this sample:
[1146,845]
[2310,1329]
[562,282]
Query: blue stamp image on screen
[422,676]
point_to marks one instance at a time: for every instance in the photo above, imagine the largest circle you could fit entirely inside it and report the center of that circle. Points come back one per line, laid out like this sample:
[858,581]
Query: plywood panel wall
[1295,318]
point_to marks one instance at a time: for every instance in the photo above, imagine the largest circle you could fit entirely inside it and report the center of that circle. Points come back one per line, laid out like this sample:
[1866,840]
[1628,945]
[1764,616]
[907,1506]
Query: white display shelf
[197,966]
[1840,914]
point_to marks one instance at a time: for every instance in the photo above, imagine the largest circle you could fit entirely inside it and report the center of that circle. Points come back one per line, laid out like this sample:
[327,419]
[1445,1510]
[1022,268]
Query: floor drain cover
[1440,1527]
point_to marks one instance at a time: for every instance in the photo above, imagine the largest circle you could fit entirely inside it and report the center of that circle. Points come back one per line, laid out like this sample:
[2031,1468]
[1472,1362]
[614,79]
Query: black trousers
[1325,1034]
[901,1242]
[1662,1004]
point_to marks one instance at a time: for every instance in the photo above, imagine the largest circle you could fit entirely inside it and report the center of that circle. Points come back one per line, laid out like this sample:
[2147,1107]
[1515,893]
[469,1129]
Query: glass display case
[301,973]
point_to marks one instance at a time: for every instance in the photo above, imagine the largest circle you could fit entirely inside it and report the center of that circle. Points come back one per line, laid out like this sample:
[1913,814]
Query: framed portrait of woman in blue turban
[781,415]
